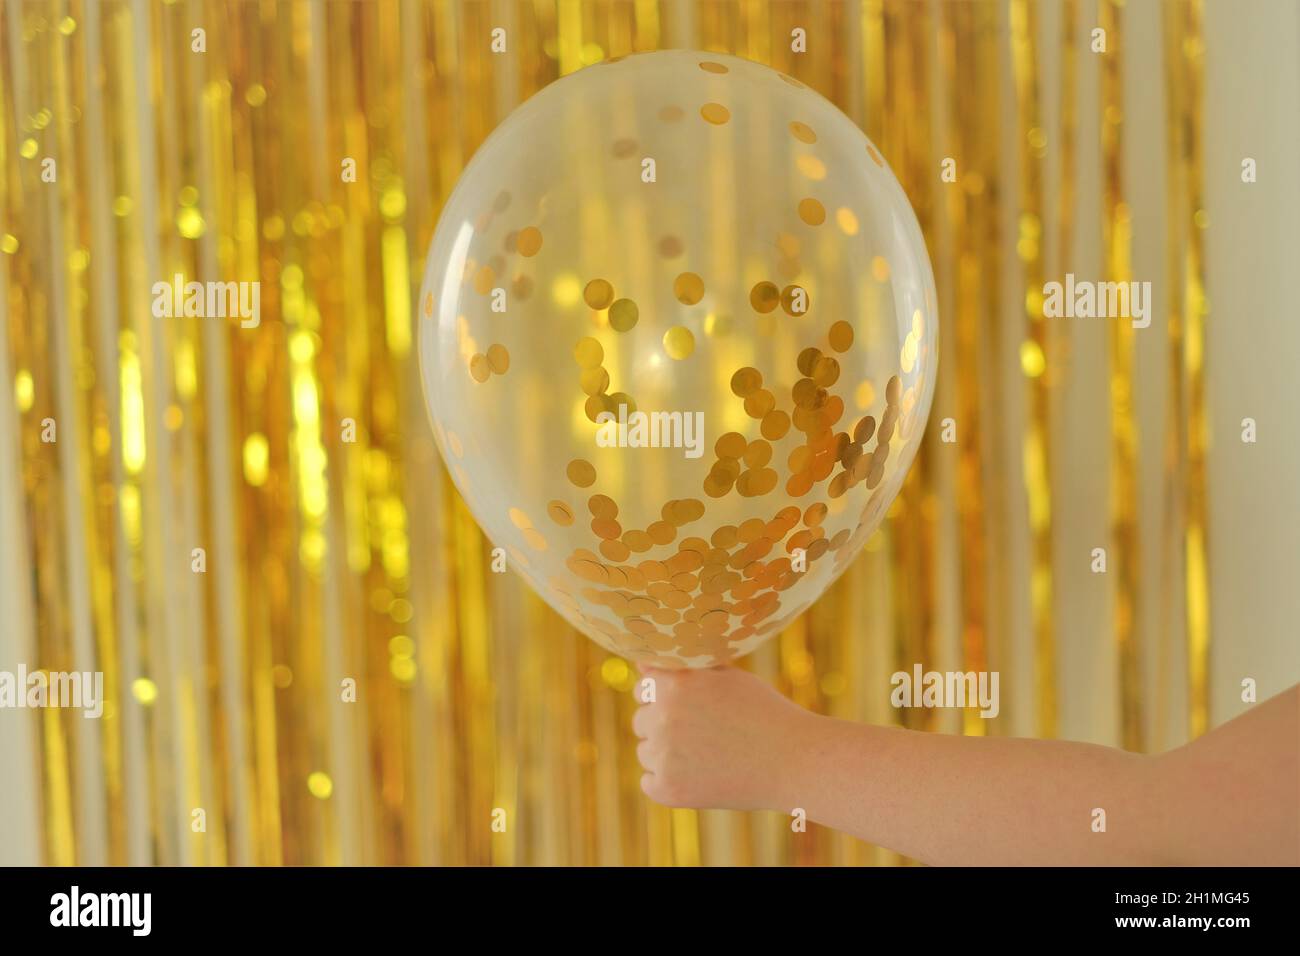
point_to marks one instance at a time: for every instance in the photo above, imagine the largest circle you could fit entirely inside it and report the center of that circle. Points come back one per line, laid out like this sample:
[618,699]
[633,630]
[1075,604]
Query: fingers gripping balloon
[678,340]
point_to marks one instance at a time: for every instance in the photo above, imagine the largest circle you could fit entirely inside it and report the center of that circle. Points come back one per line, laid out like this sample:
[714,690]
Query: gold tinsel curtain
[326,559]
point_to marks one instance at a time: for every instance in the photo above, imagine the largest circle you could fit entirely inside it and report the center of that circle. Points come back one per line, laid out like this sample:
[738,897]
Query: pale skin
[723,739]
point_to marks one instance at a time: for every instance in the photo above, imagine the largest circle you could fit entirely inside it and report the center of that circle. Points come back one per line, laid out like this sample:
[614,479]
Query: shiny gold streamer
[1034,351]
[912,528]
[1186,433]
[1117,239]
[969,41]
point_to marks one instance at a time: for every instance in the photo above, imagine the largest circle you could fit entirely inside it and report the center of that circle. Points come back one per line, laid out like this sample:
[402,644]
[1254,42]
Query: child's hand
[718,738]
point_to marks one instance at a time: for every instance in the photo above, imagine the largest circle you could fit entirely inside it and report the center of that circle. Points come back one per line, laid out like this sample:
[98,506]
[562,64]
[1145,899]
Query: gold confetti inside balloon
[678,339]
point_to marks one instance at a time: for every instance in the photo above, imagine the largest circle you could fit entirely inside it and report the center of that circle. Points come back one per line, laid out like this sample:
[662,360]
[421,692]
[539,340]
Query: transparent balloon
[678,340]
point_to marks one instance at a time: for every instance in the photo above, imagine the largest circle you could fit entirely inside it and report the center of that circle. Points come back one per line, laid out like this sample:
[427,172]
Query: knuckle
[642,721]
[645,753]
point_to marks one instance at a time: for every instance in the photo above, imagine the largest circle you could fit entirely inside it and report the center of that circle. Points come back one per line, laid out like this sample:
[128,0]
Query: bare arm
[724,739]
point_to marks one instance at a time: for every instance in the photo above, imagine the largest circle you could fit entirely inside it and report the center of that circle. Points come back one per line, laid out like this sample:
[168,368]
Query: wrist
[792,771]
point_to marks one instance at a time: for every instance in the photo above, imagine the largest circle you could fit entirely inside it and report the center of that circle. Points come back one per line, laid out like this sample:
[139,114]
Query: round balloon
[678,340]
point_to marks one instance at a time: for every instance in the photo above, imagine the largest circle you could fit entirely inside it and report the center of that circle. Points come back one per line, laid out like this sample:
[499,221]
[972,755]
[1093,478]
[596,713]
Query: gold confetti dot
[759,403]
[685,510]
[671,114]
[623,315]
[880,268]
[594,381]
[718,484]
[746,381]
[715,113]
[799,485]
[803,132]
[841,336]
[847,221]
[581,473]
[811,166]
[758,482]
[598,294]
[588,353]
[560,513]
[519,519]
[679,343]
[758,454]
[812,212]
[775,424]
[690,509]
[623,148]
[498,359]
[670,247]
[595,405]
[892,389]
[638,542]
[534,539]
[725,470]
[483,280]
[710,66]
[794,299]
[688,288]
[765,297]
[724,537]
[603,506]
[871,150]
[826,372]
[529,242]
[877,470]
[660,532]
[730,445]
[479,368]
[676,599]
[804,393]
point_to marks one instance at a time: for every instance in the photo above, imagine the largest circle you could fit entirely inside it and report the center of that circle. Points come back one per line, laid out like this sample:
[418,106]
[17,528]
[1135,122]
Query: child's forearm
[987,800]
[1231,797]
